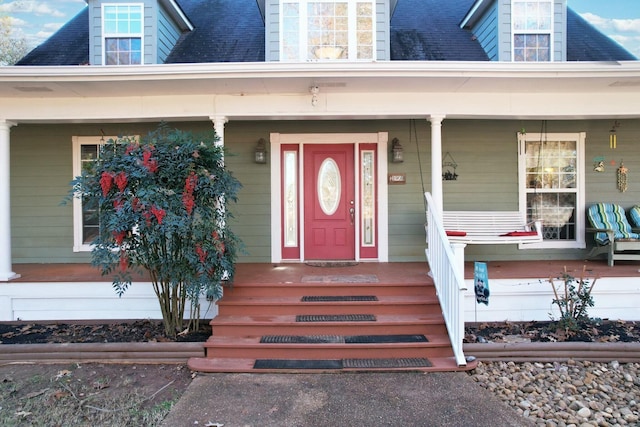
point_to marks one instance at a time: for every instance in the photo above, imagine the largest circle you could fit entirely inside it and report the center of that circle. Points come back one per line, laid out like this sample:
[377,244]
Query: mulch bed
[153,331]
[91,332]
[595,331]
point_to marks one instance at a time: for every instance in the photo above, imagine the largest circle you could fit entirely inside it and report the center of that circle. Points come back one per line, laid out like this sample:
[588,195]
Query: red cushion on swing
[521,233]
[456,233]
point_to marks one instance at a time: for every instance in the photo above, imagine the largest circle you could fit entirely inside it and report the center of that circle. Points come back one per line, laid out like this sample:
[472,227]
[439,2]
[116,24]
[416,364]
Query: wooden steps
[328,327]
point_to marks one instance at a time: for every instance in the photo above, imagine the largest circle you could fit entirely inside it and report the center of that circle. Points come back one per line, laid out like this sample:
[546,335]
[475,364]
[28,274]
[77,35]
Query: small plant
[573,299]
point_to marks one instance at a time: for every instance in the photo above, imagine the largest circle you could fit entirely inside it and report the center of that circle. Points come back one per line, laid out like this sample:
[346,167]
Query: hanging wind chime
[622,178]
[613,137]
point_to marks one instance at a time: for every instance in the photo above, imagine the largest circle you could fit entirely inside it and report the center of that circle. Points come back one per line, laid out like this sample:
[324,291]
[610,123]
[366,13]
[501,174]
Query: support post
[6,272]
[436,159]
[218,126]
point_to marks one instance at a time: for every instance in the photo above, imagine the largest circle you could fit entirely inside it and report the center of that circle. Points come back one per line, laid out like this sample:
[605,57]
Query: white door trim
[278,139]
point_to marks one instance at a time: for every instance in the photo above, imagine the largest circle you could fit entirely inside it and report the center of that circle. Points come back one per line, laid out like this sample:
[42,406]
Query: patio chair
[613,233]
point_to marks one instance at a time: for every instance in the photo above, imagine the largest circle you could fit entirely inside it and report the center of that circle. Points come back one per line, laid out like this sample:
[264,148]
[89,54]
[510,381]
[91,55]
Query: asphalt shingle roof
[234,31]
[428,30]
[67,46]
[585,43]
[225,31]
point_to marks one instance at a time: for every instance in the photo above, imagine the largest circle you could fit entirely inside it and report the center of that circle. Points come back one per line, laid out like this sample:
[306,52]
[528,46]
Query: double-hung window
[85,215]
[532,29]
[551,182]
[122,33]
[319,30]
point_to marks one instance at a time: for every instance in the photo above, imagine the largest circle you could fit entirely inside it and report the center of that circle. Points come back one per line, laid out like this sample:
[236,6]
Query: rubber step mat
[414,362]
[382,339]
[336,339]
[296,364]
[301,339]
[338,298]
[335,318]
[339,364]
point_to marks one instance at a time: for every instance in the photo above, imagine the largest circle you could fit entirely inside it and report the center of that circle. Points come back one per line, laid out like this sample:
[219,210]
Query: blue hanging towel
[481,280]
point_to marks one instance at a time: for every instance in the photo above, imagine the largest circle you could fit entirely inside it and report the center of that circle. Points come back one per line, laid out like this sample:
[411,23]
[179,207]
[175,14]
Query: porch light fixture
[613,137]
[397,152]
[260,153]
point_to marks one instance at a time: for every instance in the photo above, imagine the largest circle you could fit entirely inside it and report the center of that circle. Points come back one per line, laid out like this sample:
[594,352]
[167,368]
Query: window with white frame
[122,33]
[317,30]
[85,214]
[551,181]
[532,30]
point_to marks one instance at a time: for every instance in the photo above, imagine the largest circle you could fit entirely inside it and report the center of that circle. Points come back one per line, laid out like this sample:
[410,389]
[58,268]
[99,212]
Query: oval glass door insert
[329,186]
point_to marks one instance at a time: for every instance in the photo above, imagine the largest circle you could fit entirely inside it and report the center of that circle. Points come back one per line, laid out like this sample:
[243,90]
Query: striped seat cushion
[612,217]
[634,215]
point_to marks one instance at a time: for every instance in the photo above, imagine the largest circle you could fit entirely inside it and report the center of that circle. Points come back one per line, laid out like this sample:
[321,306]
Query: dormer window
[532,28]
[319,30]
[122,33]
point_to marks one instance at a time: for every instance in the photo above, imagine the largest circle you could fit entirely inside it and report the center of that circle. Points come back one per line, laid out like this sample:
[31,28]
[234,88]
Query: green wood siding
[485,151]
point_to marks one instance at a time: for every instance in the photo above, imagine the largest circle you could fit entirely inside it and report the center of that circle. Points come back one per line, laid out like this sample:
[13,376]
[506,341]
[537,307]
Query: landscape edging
[180,352]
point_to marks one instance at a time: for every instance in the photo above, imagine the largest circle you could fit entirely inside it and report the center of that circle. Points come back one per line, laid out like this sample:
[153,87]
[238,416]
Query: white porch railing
[447,271]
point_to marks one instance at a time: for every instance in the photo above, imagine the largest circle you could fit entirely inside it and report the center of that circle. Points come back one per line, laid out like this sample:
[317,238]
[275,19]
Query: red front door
[329,202]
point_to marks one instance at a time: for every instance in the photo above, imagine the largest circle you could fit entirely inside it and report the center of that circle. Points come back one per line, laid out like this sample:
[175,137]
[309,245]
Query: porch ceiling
[475,80]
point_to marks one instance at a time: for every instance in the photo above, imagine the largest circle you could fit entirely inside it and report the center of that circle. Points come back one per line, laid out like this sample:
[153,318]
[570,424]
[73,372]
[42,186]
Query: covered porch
[520,290]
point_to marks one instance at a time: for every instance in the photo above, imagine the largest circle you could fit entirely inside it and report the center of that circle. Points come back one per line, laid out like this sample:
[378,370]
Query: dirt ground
[89,394]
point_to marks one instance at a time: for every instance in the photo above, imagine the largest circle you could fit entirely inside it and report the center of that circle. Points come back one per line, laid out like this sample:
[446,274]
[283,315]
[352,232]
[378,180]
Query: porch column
[5,204]
[218,125]
[436,159]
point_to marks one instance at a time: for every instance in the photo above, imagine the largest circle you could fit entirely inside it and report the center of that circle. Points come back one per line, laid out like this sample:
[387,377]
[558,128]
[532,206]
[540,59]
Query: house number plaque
[397,178]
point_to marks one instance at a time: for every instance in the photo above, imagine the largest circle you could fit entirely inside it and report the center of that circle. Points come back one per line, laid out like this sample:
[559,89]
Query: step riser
[328,289]
[348,328]
[249,311]
[314,308]
[326,353]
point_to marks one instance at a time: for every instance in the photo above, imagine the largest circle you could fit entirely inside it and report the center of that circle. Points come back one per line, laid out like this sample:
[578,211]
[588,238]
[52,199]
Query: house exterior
[512,101]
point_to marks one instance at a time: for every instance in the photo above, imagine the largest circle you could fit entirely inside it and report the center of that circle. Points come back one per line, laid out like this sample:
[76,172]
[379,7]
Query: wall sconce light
[260,153]
[613,137]
[397,152]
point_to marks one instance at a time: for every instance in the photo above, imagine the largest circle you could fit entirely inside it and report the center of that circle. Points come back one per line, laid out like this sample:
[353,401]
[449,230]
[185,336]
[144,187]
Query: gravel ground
[576,393]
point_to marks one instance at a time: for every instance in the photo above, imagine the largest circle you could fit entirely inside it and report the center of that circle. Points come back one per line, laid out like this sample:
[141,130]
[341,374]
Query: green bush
[161,205]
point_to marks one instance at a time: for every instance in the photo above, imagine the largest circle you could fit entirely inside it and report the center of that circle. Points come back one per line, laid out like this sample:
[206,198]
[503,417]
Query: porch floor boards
[402,272]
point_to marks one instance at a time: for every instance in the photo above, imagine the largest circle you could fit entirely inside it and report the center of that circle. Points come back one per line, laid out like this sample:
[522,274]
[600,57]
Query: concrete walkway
[336,400]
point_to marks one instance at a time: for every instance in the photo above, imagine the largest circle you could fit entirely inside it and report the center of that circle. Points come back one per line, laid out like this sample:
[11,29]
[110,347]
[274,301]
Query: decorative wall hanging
[598,164]
[451,165]
[622,178]
[613,137]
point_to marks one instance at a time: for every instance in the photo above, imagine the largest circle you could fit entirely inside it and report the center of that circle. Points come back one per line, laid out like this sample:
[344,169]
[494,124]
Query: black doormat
[331,263]
[335,318]
[418,362]
[297,364]
[337,339]
[337,298]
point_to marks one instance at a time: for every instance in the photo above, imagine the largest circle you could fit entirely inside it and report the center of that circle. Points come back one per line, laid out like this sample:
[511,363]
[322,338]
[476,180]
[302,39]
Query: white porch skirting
[615,298]
[510,299]
[83,301]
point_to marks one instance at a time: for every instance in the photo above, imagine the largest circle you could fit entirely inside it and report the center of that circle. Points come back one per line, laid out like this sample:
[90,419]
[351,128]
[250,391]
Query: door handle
[352,212]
